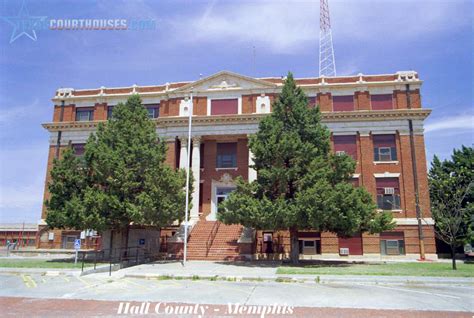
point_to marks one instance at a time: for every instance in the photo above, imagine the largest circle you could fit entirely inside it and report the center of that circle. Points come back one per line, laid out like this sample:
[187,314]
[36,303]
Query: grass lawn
[41,263]
[389,269]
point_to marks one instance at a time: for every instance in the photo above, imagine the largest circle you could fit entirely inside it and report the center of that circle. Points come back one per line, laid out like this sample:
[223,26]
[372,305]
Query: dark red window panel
[312,101]
[387,183]
[347,144]
[384,141]
[391,236]
[343,103]
[224,106]
[381,101]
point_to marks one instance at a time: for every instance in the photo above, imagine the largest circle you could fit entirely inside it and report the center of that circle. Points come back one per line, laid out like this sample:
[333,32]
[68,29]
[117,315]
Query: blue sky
[435,38]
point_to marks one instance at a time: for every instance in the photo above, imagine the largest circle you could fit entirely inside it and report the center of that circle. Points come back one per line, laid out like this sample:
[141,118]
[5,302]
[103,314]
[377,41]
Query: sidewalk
[267,272]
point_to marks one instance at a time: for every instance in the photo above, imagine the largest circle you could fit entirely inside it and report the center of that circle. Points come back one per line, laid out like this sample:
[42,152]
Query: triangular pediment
[225,81]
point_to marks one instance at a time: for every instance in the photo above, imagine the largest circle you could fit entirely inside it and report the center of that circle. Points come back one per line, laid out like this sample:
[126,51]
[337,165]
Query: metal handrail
[212,236]
[122,256]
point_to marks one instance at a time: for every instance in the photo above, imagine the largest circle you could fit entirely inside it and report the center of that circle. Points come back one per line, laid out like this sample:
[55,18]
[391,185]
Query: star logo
[24,24]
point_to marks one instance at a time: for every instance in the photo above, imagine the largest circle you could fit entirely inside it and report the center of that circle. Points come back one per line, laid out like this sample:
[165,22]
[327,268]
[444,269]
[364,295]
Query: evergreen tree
[300,185]
[452,198]
[121,179]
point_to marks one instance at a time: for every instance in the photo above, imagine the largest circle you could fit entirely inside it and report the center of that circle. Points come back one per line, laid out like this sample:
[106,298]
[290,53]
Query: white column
[183,154]
[196,169]
[252,171]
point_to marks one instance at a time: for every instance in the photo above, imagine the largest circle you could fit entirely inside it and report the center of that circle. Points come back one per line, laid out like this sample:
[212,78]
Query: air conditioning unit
[340,153]
[389,190]
[344,251]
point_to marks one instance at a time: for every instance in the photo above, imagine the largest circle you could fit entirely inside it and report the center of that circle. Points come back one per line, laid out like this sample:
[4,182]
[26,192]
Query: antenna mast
[327,64]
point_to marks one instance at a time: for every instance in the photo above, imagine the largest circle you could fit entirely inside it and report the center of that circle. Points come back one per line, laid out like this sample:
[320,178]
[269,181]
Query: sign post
[77,247]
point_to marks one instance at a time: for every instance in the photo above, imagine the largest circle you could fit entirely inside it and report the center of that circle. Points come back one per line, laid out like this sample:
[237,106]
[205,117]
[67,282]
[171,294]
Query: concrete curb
[320,279]
[41,271]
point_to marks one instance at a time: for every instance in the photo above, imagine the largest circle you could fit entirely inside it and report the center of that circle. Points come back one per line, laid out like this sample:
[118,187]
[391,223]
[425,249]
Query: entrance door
[221,195]
[267,243]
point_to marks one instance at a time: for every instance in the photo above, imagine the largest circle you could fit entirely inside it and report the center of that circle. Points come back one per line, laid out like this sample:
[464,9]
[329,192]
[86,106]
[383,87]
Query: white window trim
[383,132]
[395,211]
[262,100]
[386,162]
[229,168]
[386,175]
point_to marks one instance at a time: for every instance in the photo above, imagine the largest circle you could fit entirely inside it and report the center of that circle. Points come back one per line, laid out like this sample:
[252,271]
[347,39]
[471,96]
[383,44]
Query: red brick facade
[363,122]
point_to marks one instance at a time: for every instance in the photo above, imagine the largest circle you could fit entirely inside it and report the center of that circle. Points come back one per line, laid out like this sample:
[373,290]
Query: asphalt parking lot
[101,287]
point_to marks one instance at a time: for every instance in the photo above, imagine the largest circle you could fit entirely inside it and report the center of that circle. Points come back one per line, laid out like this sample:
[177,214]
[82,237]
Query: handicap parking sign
[77,244]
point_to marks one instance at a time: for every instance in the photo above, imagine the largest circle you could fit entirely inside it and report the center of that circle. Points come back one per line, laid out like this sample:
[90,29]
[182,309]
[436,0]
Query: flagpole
[190,113]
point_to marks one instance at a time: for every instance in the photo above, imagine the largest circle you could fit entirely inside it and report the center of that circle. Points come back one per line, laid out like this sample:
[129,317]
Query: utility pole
[327,64]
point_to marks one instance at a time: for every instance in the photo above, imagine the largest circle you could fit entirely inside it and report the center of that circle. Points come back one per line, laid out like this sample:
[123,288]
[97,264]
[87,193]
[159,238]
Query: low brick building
[377,119]
[22,235]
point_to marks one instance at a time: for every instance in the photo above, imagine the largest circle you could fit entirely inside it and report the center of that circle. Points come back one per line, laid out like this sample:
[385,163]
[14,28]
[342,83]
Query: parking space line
[28,281]
[136,284]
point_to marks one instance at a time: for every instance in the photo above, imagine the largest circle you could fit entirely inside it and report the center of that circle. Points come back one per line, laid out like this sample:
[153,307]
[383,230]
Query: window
[78,149]
[224,106]
[153,111]
[345,145]
[309,247]
[343,103]
[227,155]
[312,101]
[388,193]
[384,148]
[109,112]
[392,243]
[381,101]
[84,114]
[385,154]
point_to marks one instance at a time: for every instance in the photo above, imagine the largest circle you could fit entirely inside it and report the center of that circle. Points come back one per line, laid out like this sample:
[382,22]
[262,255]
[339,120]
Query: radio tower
[327,64]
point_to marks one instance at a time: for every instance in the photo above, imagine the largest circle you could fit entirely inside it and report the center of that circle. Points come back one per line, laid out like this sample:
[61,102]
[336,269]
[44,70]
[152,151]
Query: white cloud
[292,26]
[457,123]
[22,175]
[9,114]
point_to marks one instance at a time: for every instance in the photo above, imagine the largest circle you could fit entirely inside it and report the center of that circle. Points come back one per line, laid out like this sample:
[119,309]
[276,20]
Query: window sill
[394,211]
[385,162]
[234,168]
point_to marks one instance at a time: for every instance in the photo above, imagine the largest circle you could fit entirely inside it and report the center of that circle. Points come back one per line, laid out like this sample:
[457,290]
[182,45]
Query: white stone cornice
[328,118]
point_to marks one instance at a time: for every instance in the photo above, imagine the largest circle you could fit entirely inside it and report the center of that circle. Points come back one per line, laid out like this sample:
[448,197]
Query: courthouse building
[376,119]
